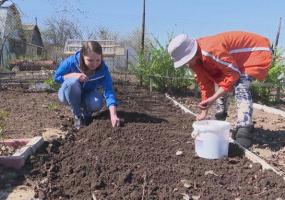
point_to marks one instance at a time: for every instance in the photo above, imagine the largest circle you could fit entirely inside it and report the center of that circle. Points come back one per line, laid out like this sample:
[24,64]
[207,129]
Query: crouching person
[230,60]
[85,83]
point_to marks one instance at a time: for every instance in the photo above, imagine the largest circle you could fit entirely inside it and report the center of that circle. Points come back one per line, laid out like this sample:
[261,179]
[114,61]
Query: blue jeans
[80,101]
[243,101]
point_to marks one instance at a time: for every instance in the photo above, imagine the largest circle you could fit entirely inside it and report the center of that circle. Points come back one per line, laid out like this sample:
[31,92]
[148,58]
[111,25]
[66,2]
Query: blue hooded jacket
[100,80]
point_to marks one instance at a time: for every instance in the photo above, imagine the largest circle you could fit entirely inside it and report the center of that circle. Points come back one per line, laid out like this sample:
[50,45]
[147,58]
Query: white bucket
[211,138]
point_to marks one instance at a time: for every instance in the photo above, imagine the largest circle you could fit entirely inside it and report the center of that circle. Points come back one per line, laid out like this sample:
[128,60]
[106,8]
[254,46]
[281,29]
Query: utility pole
[275,55]
[143,27]
[277,35]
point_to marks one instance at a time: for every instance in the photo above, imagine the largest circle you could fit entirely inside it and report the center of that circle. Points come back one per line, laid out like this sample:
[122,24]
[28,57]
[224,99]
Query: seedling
[3,117]
[50,81]
[52,106]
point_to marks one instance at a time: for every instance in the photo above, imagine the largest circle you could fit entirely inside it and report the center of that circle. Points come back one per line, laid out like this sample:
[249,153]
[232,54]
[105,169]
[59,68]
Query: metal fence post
[150,84]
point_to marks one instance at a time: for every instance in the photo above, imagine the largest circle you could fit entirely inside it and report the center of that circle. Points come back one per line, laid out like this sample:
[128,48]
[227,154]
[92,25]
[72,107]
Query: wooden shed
[33,38]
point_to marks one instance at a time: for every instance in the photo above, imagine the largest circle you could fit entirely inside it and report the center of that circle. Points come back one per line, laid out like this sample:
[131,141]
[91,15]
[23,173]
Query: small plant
[156,67]
[52,106]
[1,133]
[3,117]
[263,91]
[53,85]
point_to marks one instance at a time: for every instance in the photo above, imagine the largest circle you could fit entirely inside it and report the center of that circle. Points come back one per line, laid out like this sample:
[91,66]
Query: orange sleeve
[230,71]
[205,83]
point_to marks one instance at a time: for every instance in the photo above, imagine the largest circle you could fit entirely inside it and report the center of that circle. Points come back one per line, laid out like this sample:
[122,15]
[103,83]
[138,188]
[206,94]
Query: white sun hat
[182,49]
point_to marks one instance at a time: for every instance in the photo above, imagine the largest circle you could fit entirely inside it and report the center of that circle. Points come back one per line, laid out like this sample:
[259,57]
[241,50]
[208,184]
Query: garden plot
[140,160]
[26,115]
[29,114]
[269,133]
[136,161]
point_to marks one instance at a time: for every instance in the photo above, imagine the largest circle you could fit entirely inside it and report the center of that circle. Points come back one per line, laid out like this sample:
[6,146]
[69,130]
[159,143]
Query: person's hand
[206,103]
[115,121]
[82,77]
[202,115]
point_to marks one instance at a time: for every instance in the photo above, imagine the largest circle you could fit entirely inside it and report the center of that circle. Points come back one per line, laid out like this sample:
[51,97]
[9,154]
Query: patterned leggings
[243,101]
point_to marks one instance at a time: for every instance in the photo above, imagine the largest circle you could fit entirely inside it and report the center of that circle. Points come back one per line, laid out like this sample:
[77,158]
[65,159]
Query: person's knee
[70,87]
[94,103]
[61,96]
[73,83]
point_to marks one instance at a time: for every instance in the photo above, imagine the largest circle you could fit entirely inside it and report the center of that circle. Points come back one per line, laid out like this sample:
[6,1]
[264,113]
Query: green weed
[52,106]
[156,66]
[50,81]
[3,116]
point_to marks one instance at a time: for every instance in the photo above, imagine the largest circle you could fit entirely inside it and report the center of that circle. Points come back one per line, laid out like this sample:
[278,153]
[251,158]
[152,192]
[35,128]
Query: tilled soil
[29,114]
[269,129]
[139,161]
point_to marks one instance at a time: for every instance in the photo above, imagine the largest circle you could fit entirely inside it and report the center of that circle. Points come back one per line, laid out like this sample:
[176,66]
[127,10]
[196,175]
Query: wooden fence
[23,78]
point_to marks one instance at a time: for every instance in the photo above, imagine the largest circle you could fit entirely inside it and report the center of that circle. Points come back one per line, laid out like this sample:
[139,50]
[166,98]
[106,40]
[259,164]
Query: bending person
[85,82]
[230,60]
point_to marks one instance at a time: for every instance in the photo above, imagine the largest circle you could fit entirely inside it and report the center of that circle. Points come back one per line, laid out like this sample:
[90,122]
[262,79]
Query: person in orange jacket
[222,63]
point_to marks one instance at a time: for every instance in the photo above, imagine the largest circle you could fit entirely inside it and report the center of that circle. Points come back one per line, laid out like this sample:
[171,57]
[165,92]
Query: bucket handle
[194,134]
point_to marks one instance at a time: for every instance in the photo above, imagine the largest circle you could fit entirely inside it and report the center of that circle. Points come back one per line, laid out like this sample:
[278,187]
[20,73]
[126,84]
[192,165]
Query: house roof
[29,27]
[3,15]
[7,7]
[5,3]
[28,30]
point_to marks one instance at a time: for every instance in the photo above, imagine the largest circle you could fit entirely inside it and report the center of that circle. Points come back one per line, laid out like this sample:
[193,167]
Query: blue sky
[195,17]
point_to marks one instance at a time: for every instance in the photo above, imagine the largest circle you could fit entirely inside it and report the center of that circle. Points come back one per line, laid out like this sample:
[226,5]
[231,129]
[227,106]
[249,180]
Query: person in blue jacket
[85,80]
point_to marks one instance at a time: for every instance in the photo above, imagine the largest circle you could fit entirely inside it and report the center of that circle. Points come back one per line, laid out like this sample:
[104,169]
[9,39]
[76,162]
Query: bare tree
[103,33]
[133,40]
[59,30]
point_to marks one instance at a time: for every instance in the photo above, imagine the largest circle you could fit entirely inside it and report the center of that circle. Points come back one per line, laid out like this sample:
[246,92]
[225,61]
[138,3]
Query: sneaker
[78,122]
[221,115]
[88,120]
[244,136]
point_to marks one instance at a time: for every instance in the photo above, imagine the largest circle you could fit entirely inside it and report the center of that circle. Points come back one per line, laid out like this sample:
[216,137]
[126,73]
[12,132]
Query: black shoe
[244,136]
[221,115]
[233,132]
[88,120]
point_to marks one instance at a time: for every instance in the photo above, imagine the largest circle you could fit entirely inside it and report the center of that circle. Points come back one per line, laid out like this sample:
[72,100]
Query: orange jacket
[227,55]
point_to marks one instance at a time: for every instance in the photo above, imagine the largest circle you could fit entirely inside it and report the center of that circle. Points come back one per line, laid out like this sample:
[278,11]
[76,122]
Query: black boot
[244,136]
[221,115]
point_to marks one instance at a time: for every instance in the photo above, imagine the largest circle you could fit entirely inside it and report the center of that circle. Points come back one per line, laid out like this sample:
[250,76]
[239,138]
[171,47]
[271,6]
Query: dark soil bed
[139,161]
[28,114]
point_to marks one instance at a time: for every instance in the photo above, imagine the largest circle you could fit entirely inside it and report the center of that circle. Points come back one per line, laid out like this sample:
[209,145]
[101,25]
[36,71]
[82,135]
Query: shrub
[267,91]
[156,66]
